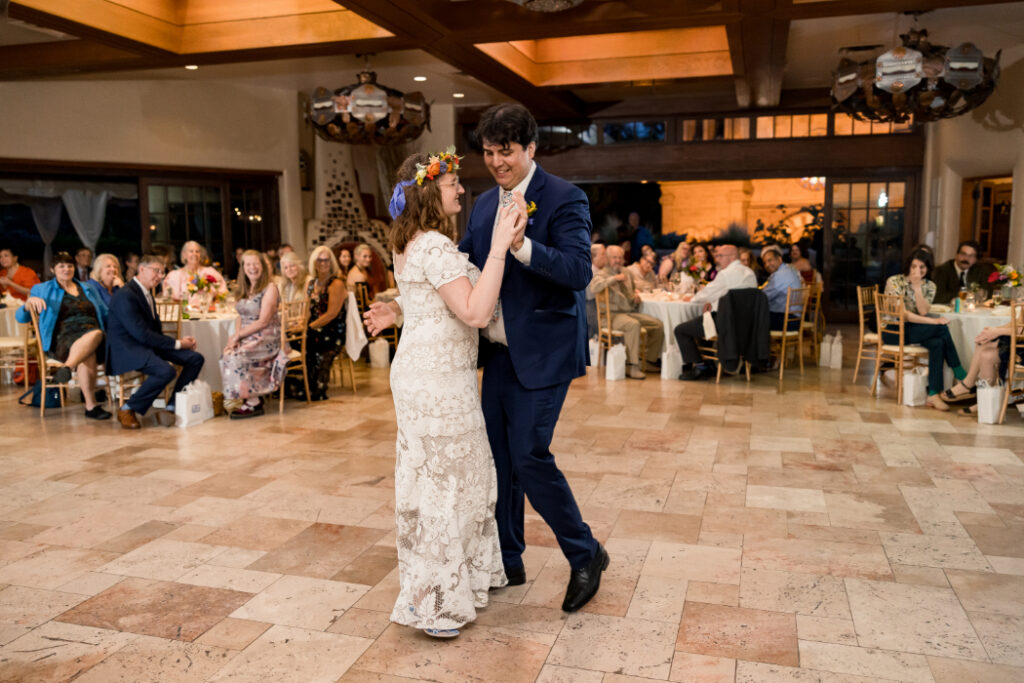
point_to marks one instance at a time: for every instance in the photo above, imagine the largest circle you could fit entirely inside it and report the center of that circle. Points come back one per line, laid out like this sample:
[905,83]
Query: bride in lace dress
[445,482]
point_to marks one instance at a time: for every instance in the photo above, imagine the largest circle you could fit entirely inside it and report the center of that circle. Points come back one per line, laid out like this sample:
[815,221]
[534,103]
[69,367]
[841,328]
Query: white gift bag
[671,363]
[380,354]
[710,330]
[615,363]
[193,405]
[825,352]
[836,352]
[595,352]
[990,402]
[915,387]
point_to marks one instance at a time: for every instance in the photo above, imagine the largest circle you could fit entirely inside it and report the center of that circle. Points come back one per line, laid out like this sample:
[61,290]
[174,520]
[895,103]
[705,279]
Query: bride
[445,483]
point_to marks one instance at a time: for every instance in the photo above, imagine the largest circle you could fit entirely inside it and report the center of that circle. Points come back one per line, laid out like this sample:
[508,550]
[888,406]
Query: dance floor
[815,535]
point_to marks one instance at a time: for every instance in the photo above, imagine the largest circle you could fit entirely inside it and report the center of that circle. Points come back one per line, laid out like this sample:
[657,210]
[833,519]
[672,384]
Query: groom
[535,346]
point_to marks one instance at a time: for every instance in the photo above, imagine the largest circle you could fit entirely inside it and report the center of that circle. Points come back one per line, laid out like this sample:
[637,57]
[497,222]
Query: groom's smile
[508,164]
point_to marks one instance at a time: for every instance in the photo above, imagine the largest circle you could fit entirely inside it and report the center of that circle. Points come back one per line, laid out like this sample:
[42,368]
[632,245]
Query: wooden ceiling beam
[757,45]
[843,8]
[432,33]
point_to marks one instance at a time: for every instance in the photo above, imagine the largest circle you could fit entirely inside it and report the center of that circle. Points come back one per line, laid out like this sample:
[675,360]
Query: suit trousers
[520,424]
[687,335]
[159,373]
[629,324]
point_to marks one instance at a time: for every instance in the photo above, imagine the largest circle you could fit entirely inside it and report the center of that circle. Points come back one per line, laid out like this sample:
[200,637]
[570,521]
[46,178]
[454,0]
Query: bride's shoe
[441,632]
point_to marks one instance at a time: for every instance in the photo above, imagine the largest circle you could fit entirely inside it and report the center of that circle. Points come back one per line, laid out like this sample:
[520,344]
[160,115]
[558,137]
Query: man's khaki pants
[630,324]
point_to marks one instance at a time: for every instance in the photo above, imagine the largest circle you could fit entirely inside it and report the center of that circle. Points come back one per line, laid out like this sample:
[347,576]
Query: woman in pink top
[176,282]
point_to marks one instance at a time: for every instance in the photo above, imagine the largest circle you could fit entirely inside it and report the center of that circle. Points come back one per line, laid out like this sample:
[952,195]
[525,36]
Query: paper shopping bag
[193,405]
[990,402]
[380,354]
[671,363]
[710,331]
[836,352]
[825,352]
[615,363]
[595,352]
[915,387]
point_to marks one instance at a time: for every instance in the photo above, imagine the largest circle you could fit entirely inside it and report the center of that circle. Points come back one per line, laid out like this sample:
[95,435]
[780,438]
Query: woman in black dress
[326,335]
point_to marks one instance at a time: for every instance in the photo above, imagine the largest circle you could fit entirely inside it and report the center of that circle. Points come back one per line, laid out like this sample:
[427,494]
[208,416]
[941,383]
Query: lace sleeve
[442,261]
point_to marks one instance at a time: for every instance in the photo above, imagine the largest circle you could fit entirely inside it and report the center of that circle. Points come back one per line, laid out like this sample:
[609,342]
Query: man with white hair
[731,275]
[623,302]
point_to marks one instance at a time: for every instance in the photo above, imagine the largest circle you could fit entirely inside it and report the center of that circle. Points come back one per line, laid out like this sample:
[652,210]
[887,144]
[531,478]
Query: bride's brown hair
[422,207]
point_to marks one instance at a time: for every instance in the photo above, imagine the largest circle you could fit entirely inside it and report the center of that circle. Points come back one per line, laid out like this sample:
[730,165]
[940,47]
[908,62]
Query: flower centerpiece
[1005,276]
[201,290]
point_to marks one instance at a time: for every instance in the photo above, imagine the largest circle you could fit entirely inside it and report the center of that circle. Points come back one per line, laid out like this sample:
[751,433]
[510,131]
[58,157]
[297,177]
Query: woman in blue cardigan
[71,323]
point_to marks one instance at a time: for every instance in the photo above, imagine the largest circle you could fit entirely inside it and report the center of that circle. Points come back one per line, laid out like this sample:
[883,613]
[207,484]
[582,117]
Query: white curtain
[87,209]
[46,214]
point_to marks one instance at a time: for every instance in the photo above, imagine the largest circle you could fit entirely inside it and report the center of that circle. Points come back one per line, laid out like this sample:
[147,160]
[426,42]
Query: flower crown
[445,162]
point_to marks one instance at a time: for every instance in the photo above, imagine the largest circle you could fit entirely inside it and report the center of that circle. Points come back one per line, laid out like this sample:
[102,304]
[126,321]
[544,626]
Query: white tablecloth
[9,327]
[670,313]
[964,327]
[212,336]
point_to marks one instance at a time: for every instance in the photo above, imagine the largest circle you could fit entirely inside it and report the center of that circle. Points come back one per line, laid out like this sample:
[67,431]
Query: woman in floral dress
[445,483]
[254,362]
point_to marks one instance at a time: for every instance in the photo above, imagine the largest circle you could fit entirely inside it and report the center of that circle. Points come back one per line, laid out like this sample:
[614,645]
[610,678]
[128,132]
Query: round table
[669,312]
[965,326]
[9,326]
[212,334]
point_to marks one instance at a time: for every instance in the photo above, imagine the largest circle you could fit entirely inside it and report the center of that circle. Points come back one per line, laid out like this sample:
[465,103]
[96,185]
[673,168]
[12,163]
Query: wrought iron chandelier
[547,5]
[916,81]
[366,113]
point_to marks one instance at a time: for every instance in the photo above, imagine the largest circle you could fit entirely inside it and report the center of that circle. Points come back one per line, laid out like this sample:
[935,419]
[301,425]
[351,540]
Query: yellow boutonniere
[531,208]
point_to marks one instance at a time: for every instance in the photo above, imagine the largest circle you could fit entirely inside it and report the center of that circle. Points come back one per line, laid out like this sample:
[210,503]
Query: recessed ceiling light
[419,78]
[458,95]
[643,182]
[191,67]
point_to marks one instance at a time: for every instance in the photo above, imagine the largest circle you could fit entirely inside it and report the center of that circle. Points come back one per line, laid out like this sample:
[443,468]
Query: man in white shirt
[731,275]
[598,260]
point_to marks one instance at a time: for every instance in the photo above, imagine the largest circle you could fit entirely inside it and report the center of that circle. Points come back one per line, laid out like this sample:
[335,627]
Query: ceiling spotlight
[192,67]
[458,95]
[419,79]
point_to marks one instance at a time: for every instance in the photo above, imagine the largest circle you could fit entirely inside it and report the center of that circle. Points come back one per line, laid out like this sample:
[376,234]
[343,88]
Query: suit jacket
[543,304]
[947,282]
[133,331]
[743,327]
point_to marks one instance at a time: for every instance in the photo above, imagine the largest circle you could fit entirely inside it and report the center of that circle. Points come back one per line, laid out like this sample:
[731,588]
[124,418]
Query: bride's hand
[511,224]
[378,317]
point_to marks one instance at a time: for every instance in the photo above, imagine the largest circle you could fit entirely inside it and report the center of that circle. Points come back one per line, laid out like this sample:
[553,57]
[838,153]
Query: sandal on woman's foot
[968,411]
[441,632]
[949,395]
[935,401]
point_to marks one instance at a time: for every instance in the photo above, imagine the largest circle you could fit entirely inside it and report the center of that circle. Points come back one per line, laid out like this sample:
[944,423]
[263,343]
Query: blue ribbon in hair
[397,204]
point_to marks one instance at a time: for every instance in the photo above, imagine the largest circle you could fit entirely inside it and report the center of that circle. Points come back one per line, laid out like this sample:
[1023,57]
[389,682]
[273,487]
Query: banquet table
[9,327]
[965,326]
[212,334]
[669,310]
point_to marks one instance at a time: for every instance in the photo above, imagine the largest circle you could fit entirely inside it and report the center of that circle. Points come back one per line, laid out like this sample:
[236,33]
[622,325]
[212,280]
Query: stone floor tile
[694,668]
[162,559]
[616,645]
[786,498]
[817,557]
[233,634]
[1002,635]
[946,552]
[826,630]
[58,652]
[958,670]
[286,654]
[739,633]
[22,609]
[159,659]
[862,661]
[302,602]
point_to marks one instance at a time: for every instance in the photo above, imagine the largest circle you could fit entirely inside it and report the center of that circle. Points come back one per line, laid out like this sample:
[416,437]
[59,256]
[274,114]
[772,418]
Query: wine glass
[997,297]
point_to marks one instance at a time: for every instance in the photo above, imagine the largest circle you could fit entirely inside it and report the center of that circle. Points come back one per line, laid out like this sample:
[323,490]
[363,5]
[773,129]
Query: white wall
[180,123]
[986,142]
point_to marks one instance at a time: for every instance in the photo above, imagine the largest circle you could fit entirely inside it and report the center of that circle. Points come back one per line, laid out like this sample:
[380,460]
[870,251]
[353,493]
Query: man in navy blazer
[536,345]
[136,342]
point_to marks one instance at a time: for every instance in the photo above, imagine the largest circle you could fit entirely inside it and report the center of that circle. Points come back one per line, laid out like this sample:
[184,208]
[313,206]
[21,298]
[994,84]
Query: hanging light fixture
[813,183]
[916,81]
[547,5]
[367,113]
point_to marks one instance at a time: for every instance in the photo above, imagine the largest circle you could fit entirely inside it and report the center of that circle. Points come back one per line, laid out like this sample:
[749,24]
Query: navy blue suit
[525,384]
[136,342]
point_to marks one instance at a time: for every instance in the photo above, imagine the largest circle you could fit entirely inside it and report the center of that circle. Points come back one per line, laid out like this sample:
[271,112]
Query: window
[634,131]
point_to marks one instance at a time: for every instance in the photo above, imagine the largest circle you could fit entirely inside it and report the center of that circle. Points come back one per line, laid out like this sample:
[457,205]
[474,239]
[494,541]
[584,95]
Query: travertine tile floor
[815,535]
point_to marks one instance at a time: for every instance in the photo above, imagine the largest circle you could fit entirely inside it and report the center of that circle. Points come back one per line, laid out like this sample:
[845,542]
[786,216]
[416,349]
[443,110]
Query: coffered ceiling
[602,56]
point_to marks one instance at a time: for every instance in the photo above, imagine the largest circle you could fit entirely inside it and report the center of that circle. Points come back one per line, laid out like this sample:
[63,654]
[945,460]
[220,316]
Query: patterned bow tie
[507,198]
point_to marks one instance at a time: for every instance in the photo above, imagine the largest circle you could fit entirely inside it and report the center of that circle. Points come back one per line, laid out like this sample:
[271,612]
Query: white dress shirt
[734,276]
[495,330]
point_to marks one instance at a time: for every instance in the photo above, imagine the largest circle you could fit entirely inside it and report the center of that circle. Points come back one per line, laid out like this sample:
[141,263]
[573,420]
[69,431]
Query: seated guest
[702,260]
[918,293]
[990,362]
[781,279]
[136,343]
[731,275]
[83,264]
[747,259]
[623,302]
[364,271]
[642,274]
[106,276]
[294,277]
[326,335]
[254,362]
[176,282]
[71,322]
[15,280]
[676,262]
[166,254]
[802,264]
[960,272]
[598,260]
[344,263]
[131,265]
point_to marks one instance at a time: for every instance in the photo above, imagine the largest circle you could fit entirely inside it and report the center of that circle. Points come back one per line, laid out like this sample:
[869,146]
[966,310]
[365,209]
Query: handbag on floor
[595,352]
[193,405]
[32,396]
[915,387]
[990,402]
[615,363]
[671,363]
[825,352]
[836,352]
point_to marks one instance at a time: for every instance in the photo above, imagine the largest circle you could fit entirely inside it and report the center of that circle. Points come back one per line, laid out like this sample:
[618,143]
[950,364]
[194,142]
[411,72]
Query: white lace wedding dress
[445,484]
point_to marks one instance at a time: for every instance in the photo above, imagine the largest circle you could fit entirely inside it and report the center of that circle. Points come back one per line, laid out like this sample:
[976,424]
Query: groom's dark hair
[504,124]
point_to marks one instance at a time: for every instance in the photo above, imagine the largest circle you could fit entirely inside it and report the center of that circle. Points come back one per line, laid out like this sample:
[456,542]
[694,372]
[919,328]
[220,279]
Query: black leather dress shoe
[583,583]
